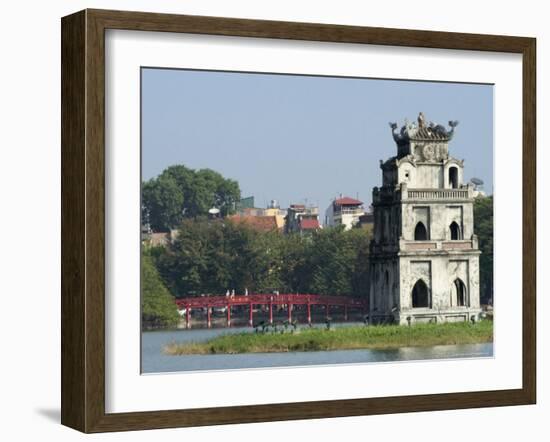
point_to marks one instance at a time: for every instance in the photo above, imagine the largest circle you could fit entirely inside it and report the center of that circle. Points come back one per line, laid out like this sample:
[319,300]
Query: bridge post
[229,315]
[289,312]
[327,311]
[308,313]
[187,317]
[208,316]
[271,312]
[251,315]
[345,312]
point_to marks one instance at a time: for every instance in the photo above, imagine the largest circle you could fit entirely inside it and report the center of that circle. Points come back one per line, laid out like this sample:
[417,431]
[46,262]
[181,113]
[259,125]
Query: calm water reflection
[154,361]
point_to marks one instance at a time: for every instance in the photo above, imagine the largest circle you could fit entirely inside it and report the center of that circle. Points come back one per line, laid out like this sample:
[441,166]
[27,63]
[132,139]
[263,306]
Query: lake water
[155,361]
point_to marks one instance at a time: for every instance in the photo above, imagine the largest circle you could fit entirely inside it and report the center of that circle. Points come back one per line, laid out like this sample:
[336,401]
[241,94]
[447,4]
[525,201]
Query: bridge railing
[221,301]
[288,300]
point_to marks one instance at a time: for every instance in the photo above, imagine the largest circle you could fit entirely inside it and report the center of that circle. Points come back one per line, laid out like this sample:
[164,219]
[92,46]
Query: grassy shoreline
[345,338]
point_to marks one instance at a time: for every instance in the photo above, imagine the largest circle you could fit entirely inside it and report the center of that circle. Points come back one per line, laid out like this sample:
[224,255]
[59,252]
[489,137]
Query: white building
[424,261]
[344,211]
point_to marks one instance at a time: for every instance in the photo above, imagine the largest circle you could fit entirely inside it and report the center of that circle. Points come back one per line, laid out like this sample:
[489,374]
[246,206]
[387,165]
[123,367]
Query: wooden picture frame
[83,220]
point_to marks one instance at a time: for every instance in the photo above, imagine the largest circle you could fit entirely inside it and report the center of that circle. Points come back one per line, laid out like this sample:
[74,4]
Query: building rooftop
[309,224]
[347,201]
[260,223]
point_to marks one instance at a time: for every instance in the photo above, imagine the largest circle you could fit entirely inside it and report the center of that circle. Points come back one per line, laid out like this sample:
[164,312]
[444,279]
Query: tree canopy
[179,193]
[158,308]
[483,227]
[213,256]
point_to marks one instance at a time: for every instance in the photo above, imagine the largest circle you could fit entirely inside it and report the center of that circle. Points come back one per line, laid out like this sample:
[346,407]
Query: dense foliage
[157,304]
[179,192]
[213,256]
[483,227]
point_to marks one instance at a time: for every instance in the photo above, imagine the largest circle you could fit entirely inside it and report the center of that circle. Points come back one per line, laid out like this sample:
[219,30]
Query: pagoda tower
[424,255]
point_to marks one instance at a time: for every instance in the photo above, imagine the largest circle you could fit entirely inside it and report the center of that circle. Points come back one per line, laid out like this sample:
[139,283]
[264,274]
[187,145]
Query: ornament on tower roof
[422,131]
[421,121]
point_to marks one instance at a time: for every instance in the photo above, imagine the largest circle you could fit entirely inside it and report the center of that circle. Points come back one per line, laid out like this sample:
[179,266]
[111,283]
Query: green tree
[483,228]
[269,262]
[157,304]
[179,192]
[163,202]
[296,268]
[184,264]
[213,256]
[338,263]
[361,239]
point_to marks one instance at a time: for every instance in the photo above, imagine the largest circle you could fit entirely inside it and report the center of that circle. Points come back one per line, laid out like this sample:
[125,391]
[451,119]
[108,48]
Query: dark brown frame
[83,216]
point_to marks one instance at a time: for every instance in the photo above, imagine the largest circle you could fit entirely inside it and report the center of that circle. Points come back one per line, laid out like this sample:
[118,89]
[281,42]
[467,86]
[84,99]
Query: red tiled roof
[345,201]
[308,223]
[260,223]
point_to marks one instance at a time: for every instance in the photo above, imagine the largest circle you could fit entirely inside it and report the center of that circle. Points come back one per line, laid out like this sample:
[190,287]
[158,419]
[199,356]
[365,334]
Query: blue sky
[300,138]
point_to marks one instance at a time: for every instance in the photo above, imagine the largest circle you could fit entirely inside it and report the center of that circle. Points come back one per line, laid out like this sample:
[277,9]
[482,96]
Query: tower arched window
[455,231]
[420,232]
[460,290]
[420,295]
[453,177]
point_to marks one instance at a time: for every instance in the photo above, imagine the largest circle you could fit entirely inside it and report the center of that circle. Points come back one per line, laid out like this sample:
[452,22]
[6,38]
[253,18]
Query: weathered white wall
[439,273]
[427,176]
[440,217]
[382,305]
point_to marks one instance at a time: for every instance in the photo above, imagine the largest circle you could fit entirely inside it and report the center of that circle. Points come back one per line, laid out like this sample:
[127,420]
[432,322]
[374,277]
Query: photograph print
[299,220]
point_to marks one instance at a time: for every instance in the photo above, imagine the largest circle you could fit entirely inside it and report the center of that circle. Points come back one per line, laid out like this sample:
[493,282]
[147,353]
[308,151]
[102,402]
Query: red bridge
[287,301]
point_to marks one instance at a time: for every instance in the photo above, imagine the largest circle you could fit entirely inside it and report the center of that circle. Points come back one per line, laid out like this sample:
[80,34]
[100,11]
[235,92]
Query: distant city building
[309,224]
[251,211]
[278,214]
[273,209]
[245,203]
[145,232]
[366,221]
[344,211]
[479,194]
[300,218]
[259,223]
[245,208]
[159,239]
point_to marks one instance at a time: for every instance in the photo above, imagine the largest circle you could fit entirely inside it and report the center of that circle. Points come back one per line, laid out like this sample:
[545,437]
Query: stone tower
[424,254]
